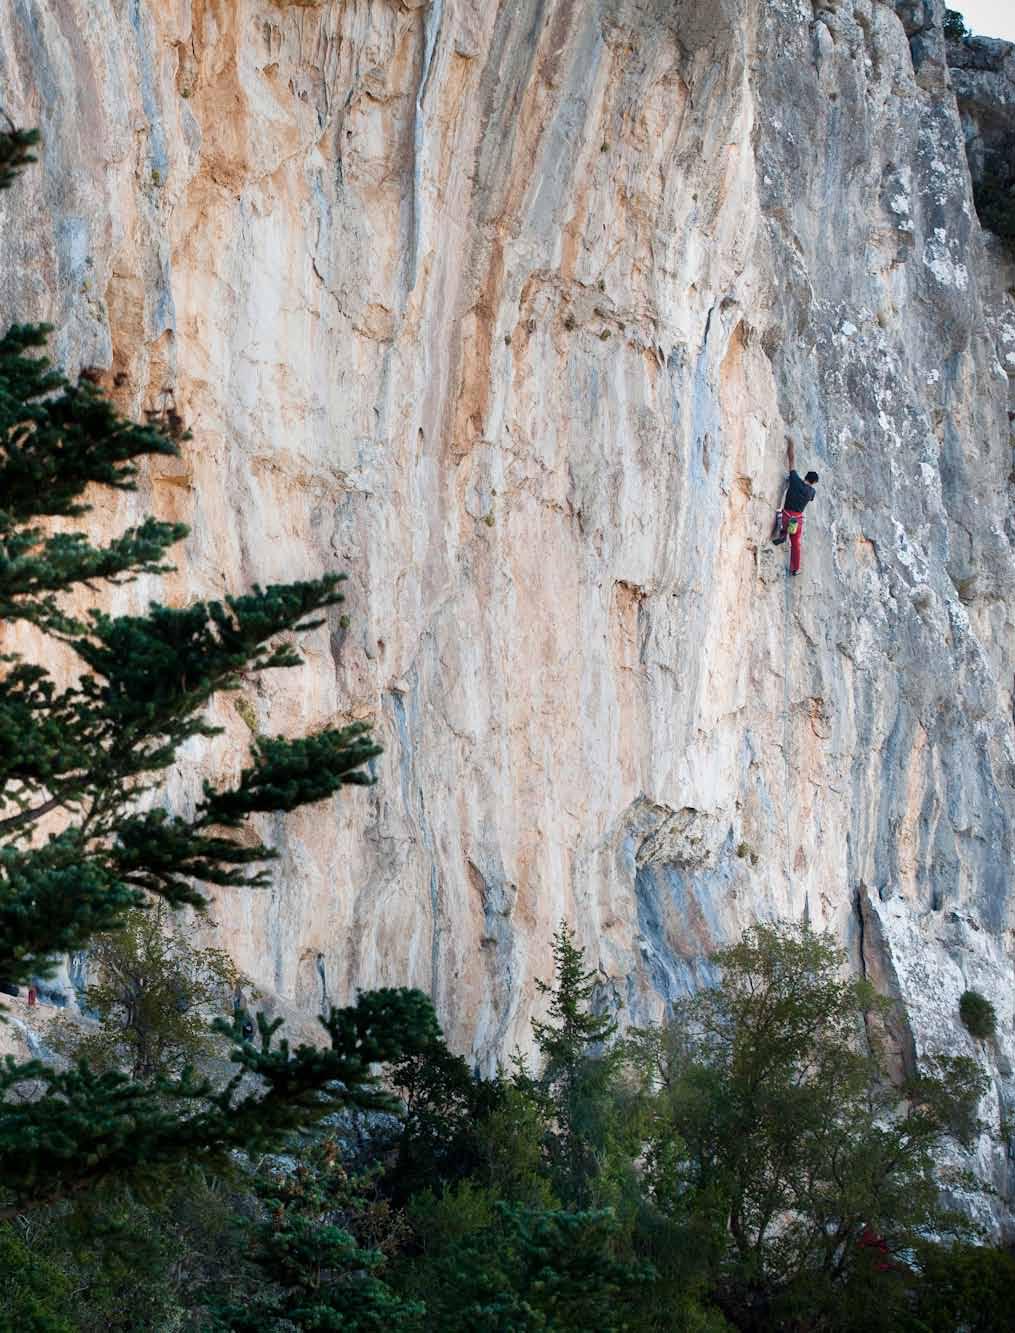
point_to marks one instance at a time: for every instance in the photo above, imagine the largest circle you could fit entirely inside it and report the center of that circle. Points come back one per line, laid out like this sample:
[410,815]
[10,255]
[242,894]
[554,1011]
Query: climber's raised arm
[790,453]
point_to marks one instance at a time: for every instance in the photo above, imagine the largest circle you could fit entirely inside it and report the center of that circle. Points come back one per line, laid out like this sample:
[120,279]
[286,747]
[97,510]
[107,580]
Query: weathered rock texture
[983,76]
[505,308]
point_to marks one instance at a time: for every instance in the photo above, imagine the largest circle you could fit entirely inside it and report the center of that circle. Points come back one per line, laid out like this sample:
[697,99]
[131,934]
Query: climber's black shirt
[798,494]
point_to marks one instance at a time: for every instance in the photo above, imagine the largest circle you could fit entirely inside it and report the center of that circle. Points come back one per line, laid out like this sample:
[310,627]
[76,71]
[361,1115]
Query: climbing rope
[785,727]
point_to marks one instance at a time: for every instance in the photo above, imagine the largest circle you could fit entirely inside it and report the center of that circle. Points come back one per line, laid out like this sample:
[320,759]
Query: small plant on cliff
[977,1013]
[955,26]
[85,835]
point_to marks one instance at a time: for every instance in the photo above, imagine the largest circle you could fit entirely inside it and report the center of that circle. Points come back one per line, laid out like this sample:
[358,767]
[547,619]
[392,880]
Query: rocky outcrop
[983,76]
[506,310]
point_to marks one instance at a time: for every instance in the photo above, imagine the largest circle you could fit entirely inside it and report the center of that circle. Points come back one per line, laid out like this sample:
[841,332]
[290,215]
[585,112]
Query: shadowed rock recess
[505,307]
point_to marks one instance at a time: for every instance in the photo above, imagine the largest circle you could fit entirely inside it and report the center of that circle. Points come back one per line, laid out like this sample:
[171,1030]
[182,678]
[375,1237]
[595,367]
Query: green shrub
[34,1294]
[977,1014]
[955,26]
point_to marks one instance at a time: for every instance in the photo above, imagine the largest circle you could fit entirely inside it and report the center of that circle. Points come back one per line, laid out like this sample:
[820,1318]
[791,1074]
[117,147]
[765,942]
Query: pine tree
[83,836]
[313,1272]
[536,1271]
[577,1070]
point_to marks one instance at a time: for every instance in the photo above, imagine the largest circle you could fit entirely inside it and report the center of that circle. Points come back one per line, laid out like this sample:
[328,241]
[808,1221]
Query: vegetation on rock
[994,196]
[955,28]
[977,1013]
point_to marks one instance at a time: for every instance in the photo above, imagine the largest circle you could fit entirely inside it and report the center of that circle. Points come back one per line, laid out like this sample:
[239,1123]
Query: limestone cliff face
[505,309]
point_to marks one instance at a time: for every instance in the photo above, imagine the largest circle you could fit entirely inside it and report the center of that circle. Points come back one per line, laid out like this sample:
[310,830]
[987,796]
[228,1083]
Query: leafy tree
[83,839]
[153,993]
[968,1287]
[781,1148]
[978,1015]
[315,1272]
[578,1072]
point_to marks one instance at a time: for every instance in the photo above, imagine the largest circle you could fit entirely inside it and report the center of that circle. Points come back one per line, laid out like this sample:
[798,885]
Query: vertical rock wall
[505,309]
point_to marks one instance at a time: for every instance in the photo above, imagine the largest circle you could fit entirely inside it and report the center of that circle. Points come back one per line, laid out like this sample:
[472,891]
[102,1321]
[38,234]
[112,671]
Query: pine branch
[87,1126]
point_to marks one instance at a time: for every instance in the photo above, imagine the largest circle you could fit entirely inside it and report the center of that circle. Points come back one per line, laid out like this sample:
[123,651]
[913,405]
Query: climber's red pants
[795,538]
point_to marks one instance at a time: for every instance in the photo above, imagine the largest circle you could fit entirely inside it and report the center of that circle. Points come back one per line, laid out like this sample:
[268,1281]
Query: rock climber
[789,521]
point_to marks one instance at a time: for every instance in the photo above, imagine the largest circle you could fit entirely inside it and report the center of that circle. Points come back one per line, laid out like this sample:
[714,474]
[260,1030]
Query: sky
[988,18]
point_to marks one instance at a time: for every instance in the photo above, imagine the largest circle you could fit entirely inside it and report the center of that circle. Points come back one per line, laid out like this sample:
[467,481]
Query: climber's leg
[795,540]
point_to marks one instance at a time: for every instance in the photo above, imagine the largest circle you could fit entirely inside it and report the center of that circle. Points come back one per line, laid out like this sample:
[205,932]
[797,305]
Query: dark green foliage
[313,1272]
[977,1013]
[133,1259]
[57,438]
[87,1125]
[35,1295]
[15,151]
[443,1130]
[574,1029]
[971,1287]
[995,206]
[780,1146]
[535,1269]
[955,26]
[578,1071]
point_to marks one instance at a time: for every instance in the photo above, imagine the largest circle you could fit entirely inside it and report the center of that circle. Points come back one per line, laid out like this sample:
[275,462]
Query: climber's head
[811,479]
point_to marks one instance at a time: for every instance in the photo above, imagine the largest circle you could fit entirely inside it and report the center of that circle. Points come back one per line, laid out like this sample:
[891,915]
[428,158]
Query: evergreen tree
[536,1269]
[83,839]
[444,1125]
[314,1272]
[578,1072]
[35,1296]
